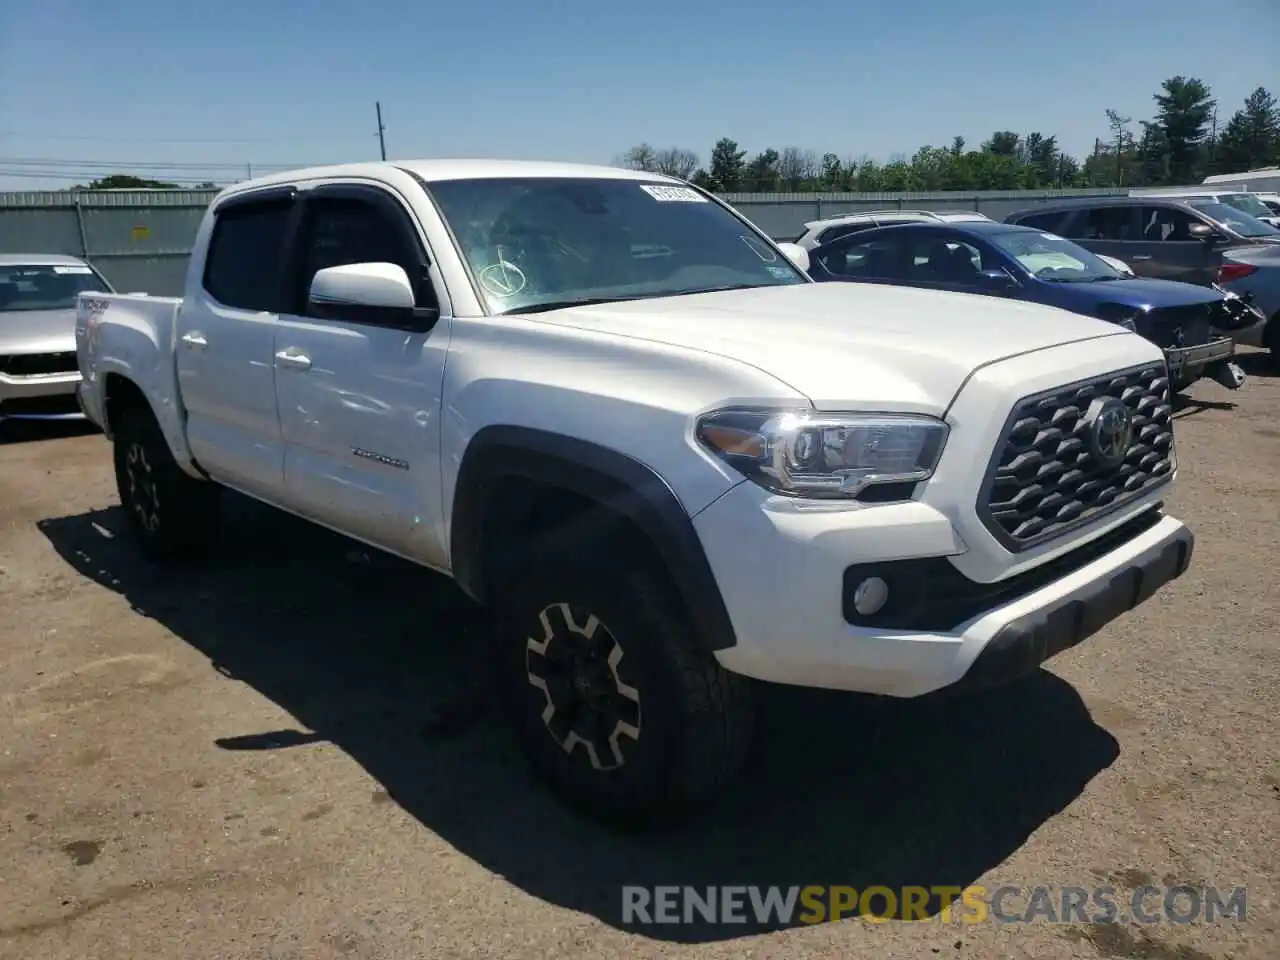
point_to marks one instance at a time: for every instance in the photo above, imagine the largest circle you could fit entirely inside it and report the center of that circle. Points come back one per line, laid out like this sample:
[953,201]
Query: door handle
[1141,256]
[195,340]
[294,360]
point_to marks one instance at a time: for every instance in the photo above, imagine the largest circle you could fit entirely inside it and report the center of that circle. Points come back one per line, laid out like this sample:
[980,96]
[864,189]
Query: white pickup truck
[619,415]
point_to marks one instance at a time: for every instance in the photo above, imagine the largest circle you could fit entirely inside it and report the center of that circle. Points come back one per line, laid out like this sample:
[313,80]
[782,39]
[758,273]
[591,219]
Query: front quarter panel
[637,398]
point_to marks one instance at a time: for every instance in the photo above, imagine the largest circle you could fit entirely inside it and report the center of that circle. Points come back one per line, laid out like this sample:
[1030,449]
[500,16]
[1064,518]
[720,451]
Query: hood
[37,331]
[1145,293]
[852,345]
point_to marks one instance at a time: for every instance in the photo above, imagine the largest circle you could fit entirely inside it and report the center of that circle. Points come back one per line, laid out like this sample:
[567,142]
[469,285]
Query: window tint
[1106,223]
[1051,222]
[242,267]
[845,230]
[869,260]
[341,230]
[1166,224]
[946,260]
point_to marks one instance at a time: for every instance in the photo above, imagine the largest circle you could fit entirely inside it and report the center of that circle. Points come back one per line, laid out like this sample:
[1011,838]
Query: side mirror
[996,280]
[1202,231]
[377,293]
[797,254]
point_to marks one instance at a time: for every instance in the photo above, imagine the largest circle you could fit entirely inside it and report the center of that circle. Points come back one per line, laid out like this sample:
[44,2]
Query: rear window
[1052,222]
[46,286]
[242,266]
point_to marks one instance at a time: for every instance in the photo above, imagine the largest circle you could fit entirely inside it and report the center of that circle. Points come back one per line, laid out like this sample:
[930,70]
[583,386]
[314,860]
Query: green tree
[1183,109]
[1003,143]
[834,176]
[1251,137]
[727,165]
[125,181]
[761,174]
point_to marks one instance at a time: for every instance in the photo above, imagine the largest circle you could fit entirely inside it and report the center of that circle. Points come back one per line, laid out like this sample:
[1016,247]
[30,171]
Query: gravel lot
[231,761]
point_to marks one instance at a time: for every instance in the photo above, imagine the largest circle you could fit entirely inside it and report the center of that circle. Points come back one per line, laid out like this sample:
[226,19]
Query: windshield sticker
[72,269]
[502,279]
[782,273]
[673,194]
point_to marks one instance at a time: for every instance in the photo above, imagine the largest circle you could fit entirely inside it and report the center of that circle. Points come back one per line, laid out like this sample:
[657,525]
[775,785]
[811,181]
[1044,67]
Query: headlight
[808,454]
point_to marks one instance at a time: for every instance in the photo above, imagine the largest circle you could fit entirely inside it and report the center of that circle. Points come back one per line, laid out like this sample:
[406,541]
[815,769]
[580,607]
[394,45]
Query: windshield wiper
[550,305]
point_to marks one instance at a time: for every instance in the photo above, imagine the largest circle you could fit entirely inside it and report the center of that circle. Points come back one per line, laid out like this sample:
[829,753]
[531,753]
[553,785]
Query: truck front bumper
[42,397]
[784,570]
[1183,361]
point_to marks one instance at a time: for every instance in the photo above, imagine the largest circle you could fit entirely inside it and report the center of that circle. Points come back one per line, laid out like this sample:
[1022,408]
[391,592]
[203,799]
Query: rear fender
[140,354]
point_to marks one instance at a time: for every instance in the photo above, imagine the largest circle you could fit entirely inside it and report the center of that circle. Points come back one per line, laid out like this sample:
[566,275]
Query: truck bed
[133,335]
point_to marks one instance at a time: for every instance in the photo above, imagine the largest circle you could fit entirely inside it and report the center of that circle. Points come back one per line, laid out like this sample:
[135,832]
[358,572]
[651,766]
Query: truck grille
[1043,480]
[38,364]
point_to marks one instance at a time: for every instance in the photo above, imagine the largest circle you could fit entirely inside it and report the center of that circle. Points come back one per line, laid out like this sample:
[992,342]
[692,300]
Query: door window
[1106,223]
[946,261]
[1166,225]
[867,260]
[242,264]
[342,230]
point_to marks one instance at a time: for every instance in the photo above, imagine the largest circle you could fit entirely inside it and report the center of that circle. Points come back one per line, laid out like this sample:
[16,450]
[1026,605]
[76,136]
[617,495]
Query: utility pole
[382,143]
[248,168]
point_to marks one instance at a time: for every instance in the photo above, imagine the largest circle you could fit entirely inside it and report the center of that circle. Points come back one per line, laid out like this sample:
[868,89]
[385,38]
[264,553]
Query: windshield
[1246,202]
[534,242]
[45,287]
[1273,206]
[1235,219]
[1047,256]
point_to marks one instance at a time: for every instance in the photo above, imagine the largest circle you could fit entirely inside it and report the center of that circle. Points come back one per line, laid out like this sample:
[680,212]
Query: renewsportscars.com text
[785,906]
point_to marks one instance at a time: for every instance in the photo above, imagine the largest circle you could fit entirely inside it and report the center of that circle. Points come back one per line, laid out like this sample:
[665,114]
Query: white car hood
[37,331]
[847,345]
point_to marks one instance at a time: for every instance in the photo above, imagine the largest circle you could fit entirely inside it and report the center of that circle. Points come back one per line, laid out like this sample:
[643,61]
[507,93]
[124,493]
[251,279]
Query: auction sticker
[71,269]
[673,194]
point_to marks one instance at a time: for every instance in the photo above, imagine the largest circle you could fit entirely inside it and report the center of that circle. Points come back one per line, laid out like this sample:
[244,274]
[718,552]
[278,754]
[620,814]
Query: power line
[56,175]
[56,162]
[17,134]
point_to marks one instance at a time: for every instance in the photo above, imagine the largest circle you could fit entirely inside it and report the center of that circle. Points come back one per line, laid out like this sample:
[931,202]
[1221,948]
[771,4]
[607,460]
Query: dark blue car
[999,259]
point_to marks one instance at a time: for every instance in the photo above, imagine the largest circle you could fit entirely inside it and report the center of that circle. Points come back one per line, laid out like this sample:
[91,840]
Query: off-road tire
[173,516]
[694,718]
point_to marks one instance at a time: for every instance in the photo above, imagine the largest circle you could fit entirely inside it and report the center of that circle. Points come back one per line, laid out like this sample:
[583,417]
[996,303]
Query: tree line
[1180,144]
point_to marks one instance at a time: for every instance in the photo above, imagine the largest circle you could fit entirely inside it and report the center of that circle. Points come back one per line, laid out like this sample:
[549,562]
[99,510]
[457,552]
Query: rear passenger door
[225,342]
[360,400]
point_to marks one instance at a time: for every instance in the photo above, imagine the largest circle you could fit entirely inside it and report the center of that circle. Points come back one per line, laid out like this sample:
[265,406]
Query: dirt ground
[231,761]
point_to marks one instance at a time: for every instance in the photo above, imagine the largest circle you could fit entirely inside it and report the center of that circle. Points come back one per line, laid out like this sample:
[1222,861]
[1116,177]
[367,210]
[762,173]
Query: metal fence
[140,239]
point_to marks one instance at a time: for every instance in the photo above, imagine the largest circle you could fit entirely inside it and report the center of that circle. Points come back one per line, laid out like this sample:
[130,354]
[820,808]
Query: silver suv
[818,232]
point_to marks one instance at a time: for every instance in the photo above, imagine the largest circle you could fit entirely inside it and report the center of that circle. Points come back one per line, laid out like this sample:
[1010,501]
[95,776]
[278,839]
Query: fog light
[870,596]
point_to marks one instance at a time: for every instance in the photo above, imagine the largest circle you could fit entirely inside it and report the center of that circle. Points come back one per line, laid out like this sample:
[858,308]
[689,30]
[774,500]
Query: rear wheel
[173,516]
[609,695]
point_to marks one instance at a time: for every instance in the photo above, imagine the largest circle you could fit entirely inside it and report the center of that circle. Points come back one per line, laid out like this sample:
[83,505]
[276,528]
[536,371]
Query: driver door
[359,400]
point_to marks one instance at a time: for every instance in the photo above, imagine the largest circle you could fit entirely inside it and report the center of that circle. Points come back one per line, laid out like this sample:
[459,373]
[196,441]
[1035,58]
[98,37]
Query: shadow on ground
[31,431]
[840,790]
[1258,364]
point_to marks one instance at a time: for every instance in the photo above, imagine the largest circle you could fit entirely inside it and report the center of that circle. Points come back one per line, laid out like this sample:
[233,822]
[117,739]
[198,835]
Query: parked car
[38,372]
[1254,273]
[628,422]
[832,228]
[1160,237]
[1241,200]
[1026,264]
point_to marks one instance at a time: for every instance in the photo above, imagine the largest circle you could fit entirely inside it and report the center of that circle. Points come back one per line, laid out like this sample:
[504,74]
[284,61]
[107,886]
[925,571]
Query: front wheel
[610,697]
[172,516]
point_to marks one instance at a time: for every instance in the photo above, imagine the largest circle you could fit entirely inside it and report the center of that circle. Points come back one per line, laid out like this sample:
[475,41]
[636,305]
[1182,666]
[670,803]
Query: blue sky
[280,83]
